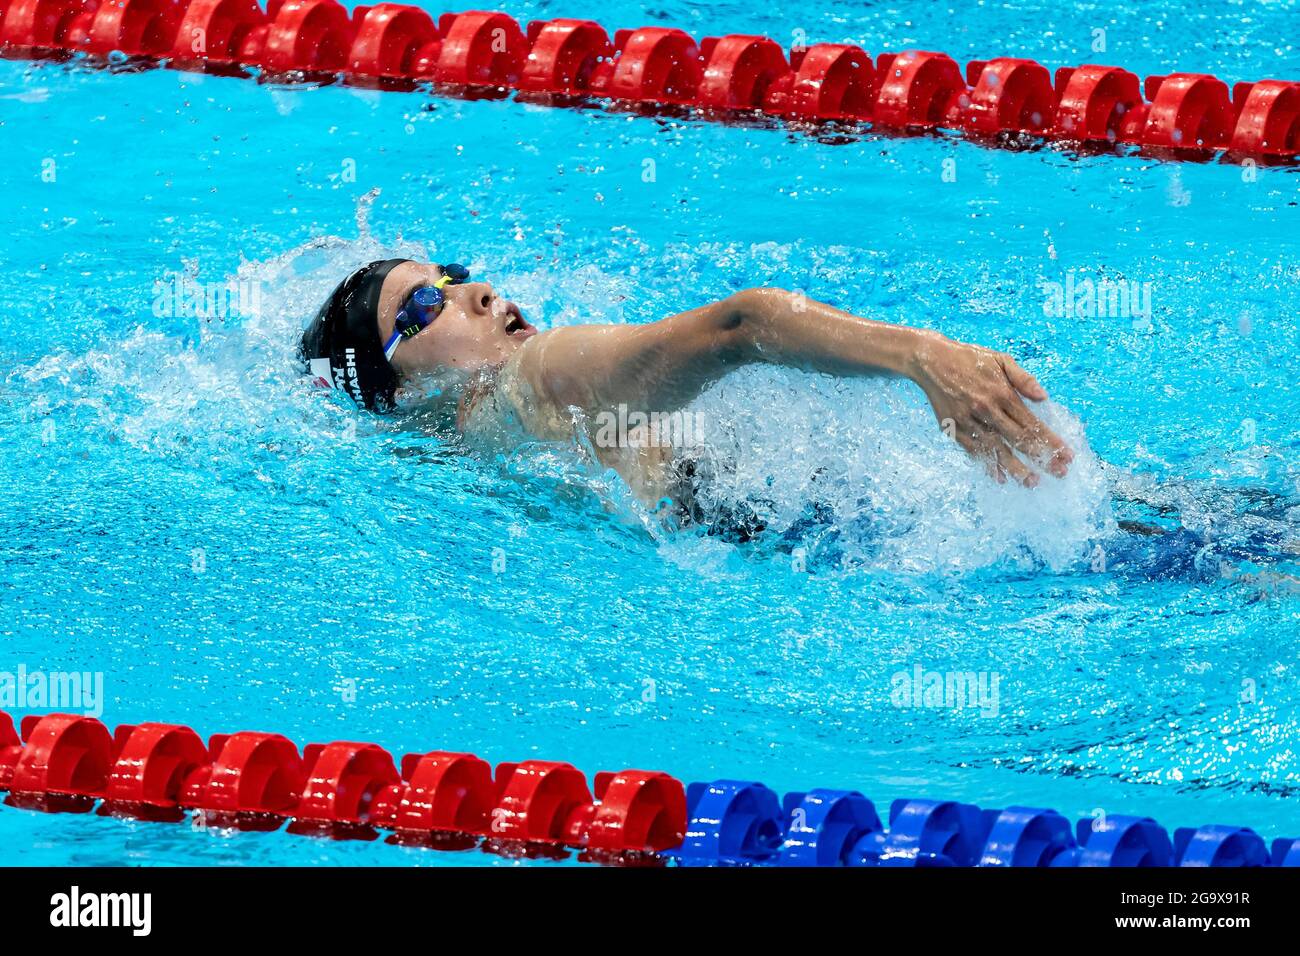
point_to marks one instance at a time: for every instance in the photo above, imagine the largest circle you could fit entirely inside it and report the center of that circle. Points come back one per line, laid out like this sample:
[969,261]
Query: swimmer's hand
[977,395]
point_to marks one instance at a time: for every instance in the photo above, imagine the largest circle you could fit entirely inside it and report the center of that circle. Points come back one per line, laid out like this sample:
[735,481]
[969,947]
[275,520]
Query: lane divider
[445,800]
[1000,101]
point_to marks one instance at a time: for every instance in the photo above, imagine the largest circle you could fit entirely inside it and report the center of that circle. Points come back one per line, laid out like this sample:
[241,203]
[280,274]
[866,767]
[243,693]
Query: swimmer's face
[476,328]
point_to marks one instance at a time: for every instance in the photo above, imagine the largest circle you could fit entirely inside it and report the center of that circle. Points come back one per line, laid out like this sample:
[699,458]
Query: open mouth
[516,325]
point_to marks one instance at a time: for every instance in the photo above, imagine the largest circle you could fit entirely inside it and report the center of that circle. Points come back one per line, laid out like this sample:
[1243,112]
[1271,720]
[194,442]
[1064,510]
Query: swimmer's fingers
[1013,466]
[982,447]
[1026,433]
[1023,430]
[998,453]
[1020,380]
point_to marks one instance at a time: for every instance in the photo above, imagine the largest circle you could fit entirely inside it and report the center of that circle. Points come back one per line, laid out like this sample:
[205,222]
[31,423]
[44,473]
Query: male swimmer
[400,326]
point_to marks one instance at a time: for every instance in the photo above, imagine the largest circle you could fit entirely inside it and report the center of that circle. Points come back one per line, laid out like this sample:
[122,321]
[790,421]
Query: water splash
[229,387]
[861,464]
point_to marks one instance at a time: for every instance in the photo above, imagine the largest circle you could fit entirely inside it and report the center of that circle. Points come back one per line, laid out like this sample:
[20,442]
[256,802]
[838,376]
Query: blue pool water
[182,513]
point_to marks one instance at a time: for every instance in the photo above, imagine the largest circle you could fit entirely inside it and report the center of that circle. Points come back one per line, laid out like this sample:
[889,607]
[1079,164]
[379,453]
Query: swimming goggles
[423,306]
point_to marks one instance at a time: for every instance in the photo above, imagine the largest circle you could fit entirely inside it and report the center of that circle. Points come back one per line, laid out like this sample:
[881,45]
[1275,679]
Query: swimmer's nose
[477,297]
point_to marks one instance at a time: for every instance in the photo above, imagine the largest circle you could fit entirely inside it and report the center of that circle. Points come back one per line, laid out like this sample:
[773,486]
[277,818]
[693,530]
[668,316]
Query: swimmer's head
[399,320]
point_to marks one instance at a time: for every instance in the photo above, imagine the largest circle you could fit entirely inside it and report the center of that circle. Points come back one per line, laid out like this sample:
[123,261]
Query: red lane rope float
[655,65]
[345,790]
[564,56]
[218,35]
[830,81]
[1183,115]
[1095,101]
[394,42]
[918,90]
[480,49]
[440,793]
[1009,95]
[306,37]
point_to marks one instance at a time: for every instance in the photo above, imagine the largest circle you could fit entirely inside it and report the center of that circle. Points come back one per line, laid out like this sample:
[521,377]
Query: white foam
[904,496]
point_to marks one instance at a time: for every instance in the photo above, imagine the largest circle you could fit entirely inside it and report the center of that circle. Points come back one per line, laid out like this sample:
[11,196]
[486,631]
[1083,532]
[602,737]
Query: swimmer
[404,333]
[400,328]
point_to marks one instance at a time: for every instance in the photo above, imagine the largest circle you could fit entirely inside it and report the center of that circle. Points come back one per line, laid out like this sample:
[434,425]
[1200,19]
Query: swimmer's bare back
[977,394]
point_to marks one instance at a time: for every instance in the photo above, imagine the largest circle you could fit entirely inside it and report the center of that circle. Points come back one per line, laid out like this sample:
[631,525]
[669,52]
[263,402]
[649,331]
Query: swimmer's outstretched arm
[976,393]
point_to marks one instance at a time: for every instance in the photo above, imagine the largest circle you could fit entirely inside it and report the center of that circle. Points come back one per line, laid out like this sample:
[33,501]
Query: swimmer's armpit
[977,394]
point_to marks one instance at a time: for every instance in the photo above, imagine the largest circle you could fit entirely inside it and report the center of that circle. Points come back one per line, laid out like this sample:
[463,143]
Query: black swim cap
[341,346]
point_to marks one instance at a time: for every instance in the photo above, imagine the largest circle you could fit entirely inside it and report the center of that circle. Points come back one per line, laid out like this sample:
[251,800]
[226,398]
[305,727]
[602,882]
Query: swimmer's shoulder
[515,399]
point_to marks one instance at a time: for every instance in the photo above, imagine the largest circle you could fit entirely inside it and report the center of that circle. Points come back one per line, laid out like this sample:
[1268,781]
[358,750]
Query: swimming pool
[186,516]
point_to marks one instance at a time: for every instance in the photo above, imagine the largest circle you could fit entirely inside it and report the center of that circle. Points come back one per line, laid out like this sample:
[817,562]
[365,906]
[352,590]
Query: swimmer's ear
[1022,381]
